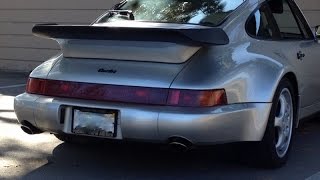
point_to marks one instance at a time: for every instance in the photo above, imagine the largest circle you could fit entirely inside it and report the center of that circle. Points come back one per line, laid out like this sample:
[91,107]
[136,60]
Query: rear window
[202,12]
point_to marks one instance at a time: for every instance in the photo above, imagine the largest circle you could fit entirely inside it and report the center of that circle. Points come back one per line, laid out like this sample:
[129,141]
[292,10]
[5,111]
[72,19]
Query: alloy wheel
[283,122]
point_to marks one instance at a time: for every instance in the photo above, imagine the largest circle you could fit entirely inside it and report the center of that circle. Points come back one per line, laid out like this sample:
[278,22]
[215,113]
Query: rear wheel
[276,143]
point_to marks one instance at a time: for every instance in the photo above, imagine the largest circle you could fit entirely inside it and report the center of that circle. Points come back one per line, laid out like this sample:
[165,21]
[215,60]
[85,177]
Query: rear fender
[44,69]
[247,77]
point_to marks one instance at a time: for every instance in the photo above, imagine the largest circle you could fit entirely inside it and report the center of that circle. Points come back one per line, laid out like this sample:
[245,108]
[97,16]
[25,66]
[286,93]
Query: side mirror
[317,31]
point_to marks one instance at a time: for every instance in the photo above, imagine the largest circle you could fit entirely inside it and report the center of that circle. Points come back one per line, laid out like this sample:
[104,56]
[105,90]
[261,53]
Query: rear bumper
[231,123]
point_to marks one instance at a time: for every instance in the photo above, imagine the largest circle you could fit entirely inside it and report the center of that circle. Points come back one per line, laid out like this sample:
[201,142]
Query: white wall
[311,9]
[20,51]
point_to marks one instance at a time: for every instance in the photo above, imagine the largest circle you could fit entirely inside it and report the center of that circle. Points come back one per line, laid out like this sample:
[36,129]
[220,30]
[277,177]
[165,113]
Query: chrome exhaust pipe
[29,128]
[179,144]
[178,147]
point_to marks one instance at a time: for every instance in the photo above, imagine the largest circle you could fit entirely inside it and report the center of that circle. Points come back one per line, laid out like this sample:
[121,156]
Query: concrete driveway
[44,157]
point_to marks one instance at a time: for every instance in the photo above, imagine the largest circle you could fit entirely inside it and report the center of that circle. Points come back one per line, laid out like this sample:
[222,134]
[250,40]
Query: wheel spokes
[280,117]
[283,122]
[278,122]
[280,141]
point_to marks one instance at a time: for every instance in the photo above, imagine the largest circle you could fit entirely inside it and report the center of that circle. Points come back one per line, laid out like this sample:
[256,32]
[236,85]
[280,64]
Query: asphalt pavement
[42,156]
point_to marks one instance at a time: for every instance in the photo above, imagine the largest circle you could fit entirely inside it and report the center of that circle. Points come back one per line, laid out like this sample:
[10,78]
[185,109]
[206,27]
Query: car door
[310,57]
[297,44]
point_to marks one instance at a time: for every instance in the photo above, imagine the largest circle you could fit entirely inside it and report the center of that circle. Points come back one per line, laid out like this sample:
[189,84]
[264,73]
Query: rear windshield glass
[202,12]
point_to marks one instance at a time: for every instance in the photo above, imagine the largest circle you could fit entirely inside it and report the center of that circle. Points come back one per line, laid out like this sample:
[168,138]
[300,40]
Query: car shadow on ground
[149,161]
[8,120]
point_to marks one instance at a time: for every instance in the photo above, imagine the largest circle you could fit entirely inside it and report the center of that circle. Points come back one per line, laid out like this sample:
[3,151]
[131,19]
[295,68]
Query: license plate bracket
[94,122]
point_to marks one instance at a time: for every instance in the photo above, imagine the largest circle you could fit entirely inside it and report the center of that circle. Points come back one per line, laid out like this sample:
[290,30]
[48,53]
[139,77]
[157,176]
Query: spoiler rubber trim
[201,36]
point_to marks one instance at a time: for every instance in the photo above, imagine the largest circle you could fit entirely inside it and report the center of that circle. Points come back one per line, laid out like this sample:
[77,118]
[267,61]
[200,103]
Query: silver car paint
[248,69]
[283,55]
[232,123]
[128,50]
[129,73]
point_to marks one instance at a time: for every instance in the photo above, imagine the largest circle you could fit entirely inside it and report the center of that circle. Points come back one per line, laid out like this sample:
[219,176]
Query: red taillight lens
[36,86]
[129,94]
[106,92]
[195,98]
[100,92]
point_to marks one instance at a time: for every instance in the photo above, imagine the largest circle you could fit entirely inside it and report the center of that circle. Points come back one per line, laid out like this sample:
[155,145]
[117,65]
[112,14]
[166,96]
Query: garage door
[311,9]
[19,50]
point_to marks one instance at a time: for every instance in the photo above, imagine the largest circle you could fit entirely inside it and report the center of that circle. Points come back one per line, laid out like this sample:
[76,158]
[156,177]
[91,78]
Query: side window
[285,19]
[258,25]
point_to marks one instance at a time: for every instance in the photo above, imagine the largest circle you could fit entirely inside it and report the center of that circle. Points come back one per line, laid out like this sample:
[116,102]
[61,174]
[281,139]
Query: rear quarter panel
[248,69]
[247,72]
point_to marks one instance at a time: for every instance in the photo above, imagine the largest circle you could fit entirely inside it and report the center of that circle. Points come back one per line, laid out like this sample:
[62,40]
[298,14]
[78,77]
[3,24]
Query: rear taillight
[128,94]
[196,98]
[36,86]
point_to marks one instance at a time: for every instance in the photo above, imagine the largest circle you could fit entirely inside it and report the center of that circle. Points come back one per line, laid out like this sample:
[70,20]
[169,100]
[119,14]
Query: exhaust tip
[179,144]
[29,128]
[178,147]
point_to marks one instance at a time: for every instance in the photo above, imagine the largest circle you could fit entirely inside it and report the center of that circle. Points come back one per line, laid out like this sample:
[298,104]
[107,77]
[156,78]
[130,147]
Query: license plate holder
[94,122]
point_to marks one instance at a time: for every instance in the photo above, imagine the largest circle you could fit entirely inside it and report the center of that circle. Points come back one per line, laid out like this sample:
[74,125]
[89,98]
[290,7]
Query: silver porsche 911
[182,72]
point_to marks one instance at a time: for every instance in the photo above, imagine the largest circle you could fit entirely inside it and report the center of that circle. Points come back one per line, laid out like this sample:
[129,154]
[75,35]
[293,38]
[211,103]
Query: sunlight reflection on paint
[12,129]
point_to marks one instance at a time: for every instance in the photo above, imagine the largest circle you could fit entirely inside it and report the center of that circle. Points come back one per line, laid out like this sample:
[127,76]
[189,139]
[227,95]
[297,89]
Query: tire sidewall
[269,139]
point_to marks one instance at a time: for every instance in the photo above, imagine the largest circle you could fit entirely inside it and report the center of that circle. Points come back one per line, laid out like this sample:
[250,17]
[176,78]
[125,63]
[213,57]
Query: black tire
[72,139]
[268,153]
[64,137]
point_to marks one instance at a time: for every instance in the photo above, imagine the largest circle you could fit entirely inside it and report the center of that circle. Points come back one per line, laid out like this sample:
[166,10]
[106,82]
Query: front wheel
[276,143]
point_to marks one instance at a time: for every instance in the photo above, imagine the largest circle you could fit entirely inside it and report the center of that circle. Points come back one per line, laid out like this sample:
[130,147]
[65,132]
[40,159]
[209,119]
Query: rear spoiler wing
[199,36]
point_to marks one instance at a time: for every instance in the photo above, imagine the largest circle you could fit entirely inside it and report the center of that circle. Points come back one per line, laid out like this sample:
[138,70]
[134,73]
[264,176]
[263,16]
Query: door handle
[300,55]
